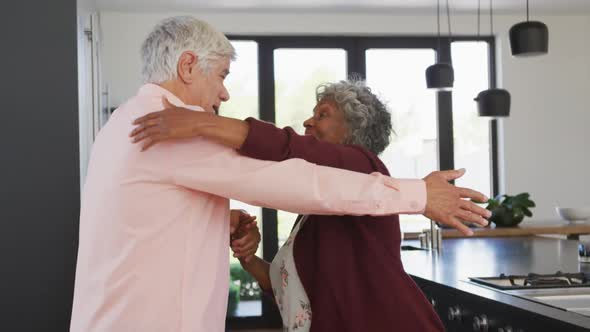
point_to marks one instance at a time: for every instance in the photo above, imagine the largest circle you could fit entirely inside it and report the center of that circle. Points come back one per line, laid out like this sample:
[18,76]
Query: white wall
[544,140]
[86,6]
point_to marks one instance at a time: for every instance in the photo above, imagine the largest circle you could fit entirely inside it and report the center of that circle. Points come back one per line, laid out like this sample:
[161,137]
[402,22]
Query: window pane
[242,84]
[397,76]
[297,74]
[472,132]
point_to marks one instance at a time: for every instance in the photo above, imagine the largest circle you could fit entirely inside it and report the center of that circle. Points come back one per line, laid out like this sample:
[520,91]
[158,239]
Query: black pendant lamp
[441,75]
[492,102]
[529,38]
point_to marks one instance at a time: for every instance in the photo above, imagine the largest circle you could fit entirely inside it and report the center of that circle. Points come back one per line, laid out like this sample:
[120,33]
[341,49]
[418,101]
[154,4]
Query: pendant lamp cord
[449,25]
[491,18]
[478,17]
[438,28]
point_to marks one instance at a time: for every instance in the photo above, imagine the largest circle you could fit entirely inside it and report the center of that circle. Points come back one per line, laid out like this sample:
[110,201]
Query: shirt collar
[154,90]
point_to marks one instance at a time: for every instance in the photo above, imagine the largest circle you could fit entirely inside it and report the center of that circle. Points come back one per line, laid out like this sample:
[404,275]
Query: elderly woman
[334,273]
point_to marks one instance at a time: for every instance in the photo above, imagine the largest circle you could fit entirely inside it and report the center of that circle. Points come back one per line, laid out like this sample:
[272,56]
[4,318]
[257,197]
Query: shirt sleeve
[293,185]
[267,142]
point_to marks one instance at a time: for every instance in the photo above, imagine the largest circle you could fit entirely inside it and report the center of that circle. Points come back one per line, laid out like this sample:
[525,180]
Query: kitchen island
[464,306]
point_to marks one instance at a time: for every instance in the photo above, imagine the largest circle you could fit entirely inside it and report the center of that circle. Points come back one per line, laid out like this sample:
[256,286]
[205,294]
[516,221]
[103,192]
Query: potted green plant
[249,289]
[234,298]
[508,211]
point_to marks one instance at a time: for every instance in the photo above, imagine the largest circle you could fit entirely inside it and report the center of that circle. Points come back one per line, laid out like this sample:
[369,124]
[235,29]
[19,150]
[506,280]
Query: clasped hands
[244,235]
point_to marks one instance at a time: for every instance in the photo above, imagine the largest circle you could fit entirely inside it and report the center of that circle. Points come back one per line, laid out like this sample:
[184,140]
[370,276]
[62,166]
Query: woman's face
[327,123]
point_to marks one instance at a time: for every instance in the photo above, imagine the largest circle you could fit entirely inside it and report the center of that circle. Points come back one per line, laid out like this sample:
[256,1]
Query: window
[295,88]
[397,77]
[472,136]
[242,82]
[244,297]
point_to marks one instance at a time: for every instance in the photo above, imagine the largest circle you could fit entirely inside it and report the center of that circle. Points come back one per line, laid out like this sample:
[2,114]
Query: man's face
[208,89]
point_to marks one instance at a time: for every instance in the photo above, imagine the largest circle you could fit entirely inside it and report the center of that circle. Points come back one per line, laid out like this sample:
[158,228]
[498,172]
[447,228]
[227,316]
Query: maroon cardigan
[349,266]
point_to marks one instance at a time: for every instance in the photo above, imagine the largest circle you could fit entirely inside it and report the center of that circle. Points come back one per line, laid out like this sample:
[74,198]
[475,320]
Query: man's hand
[445,203]
[245,235]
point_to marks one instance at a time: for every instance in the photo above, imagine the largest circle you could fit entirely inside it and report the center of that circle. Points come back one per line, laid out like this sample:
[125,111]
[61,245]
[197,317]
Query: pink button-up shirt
[154,230]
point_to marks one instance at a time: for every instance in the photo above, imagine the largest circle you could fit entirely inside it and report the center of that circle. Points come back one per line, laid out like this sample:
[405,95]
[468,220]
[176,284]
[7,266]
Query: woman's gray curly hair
[367,118]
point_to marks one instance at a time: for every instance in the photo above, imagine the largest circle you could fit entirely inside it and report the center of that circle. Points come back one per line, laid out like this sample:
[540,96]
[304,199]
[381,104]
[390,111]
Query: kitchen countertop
[460,259]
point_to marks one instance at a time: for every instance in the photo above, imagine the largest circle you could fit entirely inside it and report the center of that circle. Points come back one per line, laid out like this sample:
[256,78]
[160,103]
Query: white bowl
[573,214]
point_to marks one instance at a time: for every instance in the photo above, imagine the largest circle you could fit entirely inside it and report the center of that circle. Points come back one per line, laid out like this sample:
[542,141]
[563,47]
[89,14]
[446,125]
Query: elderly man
[154,228]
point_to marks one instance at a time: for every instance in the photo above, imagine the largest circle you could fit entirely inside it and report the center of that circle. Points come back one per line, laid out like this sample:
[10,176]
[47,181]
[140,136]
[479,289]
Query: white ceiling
[416,6]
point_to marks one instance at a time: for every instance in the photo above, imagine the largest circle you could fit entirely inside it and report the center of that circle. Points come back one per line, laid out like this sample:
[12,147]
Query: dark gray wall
[39,167]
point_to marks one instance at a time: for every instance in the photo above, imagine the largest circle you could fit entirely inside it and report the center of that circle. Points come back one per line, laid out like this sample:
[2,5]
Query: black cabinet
[466,312]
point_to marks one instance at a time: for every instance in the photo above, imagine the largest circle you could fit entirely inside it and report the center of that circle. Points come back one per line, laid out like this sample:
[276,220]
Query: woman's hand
[173,122]
[245,235]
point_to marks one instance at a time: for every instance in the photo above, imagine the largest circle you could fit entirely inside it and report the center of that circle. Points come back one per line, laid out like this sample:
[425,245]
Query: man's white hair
[173,36]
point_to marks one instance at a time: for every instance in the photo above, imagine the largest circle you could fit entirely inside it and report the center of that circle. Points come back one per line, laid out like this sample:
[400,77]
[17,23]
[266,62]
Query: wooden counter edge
[527,229]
